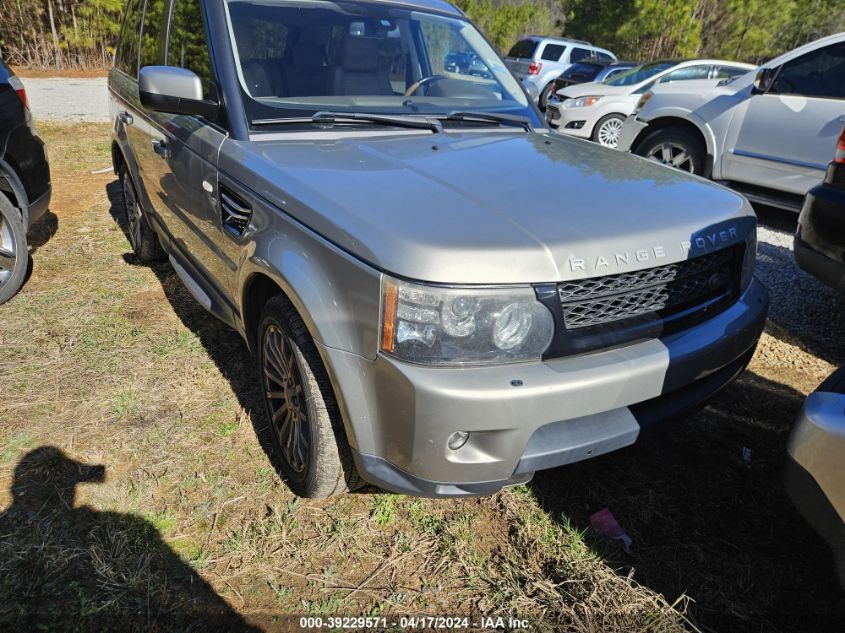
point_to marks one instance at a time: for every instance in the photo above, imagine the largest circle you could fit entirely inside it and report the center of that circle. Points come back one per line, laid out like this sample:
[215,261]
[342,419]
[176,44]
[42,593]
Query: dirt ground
[137,491]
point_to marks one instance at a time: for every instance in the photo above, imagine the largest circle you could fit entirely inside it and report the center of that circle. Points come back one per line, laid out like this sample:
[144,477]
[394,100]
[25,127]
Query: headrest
[360,54]
[307,55]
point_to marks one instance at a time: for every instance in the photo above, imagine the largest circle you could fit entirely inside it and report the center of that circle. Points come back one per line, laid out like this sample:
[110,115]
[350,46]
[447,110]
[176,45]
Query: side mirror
[763,81]
[174,90]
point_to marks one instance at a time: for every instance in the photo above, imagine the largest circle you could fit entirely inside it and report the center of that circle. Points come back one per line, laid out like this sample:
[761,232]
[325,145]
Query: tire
[142,238]
[14,254]
[606,131]
[676,148]
[543,101]
[308,438]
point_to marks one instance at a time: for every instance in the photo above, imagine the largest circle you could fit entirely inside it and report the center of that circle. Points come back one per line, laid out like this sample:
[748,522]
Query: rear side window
[727,72]
[553,52]
[580,54]
[188,46]
[127,47]
[604,57]
[820,73]
[524,49]
[151,35]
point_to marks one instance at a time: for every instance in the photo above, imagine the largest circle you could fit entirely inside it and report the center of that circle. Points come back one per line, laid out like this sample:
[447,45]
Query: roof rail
[561,38]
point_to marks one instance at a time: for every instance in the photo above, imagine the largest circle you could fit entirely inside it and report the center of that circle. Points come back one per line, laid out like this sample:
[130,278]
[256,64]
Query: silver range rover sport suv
[442,296]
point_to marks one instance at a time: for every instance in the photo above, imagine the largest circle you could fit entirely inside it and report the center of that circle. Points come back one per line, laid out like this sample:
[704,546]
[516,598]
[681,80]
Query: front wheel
[14,256]
[543,102]
[608,129]
[676,148]
[313,454]
[142,238]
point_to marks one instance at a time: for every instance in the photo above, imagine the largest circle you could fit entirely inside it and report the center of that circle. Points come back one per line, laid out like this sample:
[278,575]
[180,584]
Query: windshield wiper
[330,119]
[490,117]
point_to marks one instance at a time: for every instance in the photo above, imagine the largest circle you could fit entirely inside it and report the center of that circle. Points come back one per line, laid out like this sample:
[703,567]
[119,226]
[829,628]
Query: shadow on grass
[707,523]
[66,568]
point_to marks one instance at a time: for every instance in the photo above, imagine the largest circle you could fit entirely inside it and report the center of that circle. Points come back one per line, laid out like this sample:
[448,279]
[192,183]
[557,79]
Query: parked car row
[597,110]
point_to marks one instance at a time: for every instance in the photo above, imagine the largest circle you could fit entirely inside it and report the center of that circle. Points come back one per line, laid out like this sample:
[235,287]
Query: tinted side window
[820,73]
[552,52]
[127,47]
[188,46]
[604,57]
[580,54]
[151,35]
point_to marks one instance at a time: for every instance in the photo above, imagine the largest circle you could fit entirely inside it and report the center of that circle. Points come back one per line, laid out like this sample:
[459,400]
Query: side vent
[236,212]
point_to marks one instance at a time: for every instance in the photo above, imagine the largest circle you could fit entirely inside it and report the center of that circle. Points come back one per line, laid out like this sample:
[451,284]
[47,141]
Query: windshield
[639,74]
[299,57]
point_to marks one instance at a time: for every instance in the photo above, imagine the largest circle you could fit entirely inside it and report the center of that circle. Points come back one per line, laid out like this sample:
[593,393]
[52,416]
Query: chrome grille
[663,290]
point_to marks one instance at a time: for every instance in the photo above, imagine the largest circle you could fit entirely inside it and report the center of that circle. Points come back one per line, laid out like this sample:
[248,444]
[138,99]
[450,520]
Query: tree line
[83,33]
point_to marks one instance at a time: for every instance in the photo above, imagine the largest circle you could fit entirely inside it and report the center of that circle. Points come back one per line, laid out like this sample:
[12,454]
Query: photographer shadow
[64,567]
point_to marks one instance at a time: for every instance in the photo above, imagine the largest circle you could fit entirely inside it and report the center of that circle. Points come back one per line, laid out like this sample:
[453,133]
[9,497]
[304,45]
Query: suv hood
[489,207]
[595,88]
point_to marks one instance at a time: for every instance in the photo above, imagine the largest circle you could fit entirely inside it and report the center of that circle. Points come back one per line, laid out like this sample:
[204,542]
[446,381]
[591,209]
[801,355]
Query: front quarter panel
[336,295]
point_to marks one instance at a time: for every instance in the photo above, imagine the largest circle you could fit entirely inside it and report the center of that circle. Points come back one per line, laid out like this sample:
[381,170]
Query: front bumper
[39,206]
[630,133]
[527,417]
[815,477]
[572,121]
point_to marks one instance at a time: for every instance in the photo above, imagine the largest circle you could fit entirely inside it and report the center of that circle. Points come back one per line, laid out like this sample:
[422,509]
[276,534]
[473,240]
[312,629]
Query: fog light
[457,440]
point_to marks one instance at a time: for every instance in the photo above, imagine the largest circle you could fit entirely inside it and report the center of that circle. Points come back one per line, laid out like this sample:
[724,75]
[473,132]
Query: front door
[785,138]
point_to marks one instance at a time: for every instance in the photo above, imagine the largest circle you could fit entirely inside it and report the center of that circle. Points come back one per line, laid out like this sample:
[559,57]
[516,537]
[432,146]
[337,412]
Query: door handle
[161,148]
[126,118]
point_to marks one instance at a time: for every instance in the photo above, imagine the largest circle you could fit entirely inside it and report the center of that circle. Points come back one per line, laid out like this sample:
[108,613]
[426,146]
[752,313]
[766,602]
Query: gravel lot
[811,315]
[65,99]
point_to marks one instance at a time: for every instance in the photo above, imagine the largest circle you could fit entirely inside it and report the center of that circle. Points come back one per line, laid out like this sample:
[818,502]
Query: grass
[114,364]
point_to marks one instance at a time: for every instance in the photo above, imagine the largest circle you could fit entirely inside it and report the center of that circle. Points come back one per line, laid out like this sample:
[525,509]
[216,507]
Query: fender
[688,116]
[17,188]
[337,295]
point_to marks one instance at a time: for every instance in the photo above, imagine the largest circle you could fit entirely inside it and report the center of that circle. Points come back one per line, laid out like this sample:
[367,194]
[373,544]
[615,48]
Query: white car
[597,110]
[769,134]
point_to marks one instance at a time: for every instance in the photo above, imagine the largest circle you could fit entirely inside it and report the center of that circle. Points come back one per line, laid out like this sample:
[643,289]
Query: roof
[553,38]
[433,5]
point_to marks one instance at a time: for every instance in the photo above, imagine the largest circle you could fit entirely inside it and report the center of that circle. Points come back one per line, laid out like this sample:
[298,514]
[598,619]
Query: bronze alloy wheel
[133,211]
[283,389]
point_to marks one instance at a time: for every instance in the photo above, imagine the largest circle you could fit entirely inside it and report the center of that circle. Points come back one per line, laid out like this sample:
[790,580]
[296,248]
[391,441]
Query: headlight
[749,260]
[580,102]
[643,100]
[438,325]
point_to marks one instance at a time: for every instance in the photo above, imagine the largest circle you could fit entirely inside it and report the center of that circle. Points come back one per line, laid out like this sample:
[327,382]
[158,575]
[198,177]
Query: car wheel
[308,438]
[608,129]
[543,102]
[14,255]
[676,148]
[142,238]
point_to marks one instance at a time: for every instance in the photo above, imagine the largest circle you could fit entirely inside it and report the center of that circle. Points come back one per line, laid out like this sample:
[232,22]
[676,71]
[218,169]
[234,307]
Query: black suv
[24,182]
[820,239]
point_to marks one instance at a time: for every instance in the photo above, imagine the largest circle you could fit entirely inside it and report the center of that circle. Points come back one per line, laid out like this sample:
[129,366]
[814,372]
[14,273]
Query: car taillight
[17,86]
[534,68]
[840,149]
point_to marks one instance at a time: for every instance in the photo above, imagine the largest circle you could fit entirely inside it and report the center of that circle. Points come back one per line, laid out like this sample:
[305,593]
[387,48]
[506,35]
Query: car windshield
[296,58]
[638,74]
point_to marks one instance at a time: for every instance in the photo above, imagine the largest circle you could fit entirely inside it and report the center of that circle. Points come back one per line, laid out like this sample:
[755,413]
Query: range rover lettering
[325,180]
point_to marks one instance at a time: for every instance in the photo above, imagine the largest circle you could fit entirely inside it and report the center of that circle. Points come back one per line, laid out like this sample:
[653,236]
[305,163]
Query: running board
[786,201]
[192,286]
